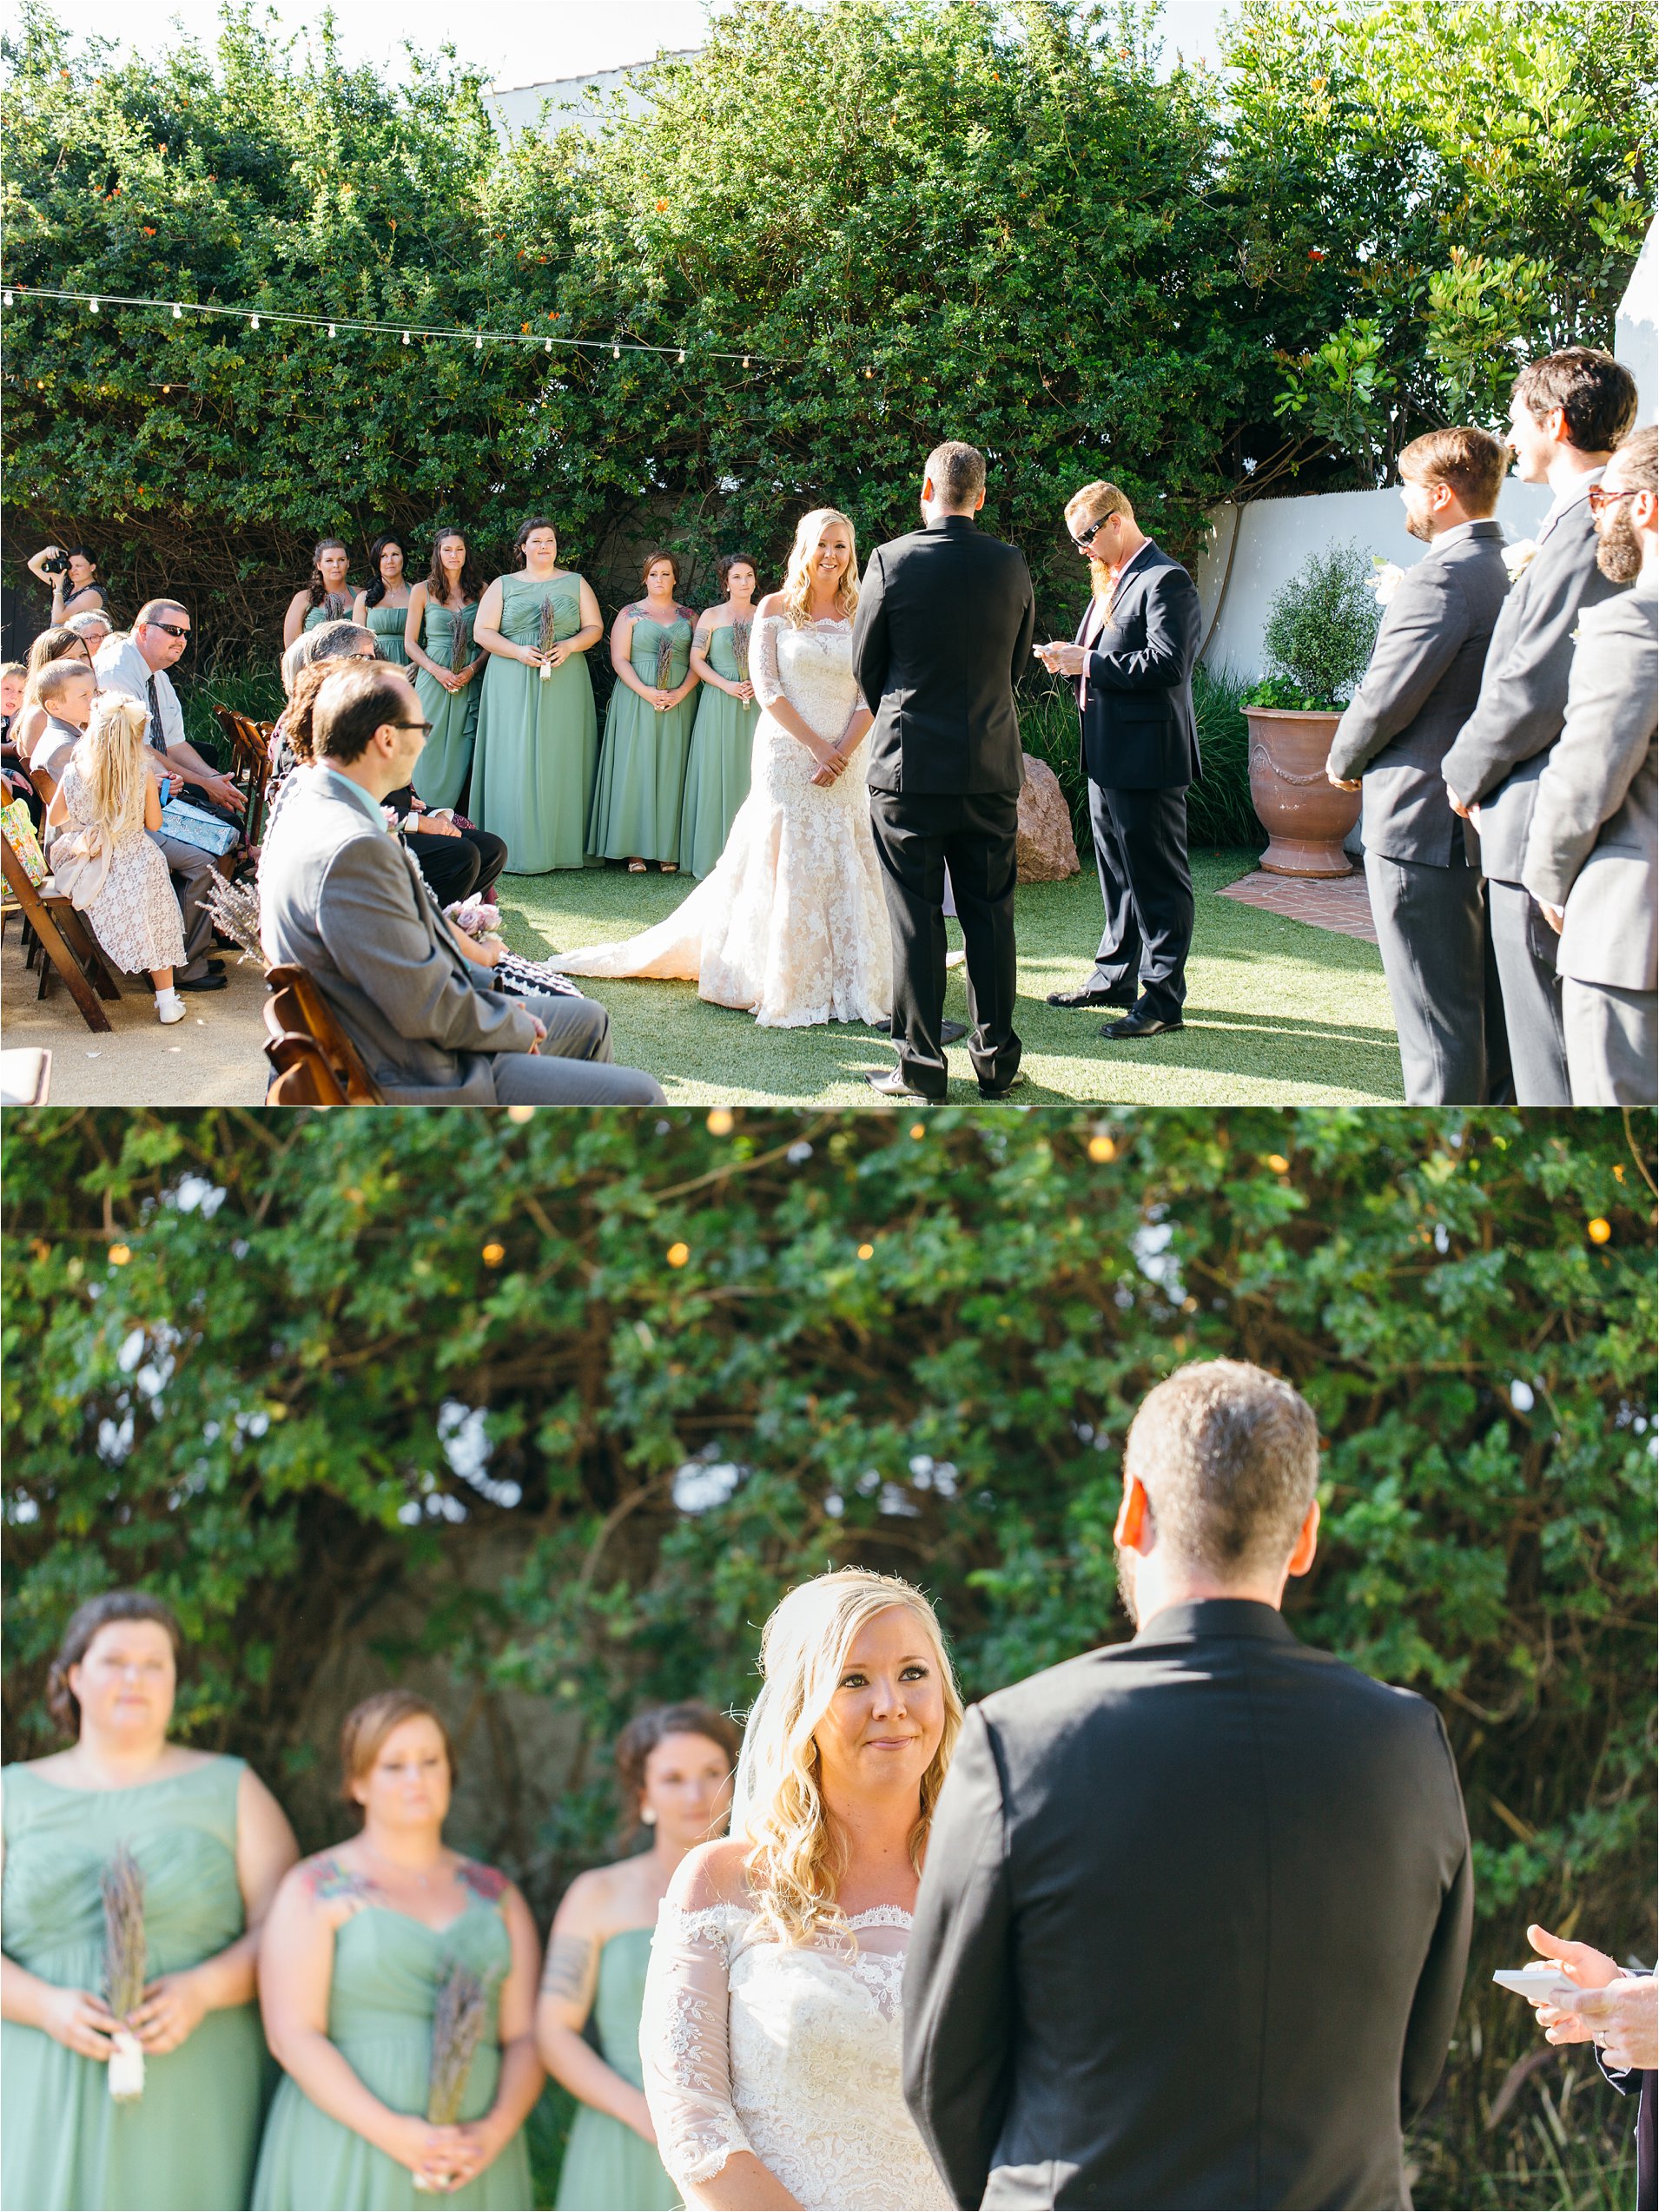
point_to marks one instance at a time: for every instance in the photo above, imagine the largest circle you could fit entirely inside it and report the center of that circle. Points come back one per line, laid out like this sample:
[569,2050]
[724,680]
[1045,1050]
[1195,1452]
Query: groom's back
[1234,1879]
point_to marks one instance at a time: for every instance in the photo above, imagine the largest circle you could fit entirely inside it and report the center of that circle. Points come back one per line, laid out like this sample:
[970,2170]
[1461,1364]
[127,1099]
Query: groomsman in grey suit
[1592,855]
[1567,412]
[340,897]
[1422,863]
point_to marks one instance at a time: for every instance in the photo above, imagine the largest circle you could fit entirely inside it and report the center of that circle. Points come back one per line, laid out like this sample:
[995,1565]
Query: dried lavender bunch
[125,1957]
[458,2023]
[235,908]
[337,606]
[740,649]
[546,631]
[664,664]
[460,644]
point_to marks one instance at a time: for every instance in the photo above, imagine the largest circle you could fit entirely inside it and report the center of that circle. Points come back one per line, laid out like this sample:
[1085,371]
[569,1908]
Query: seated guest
[66,690]
[1421,864]
[93,627]
[72,578]
[13,770]
[1590,859]
[339,898]
[106,799]
[58,645]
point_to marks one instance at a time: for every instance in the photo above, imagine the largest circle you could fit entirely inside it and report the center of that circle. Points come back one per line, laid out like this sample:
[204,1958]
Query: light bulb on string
[745,361]
[682,352]
[5,298]
[547,345]
[93,305]
[616,352]
[406,337]
[178,312]
[477,345]
[330,330]
[255,322]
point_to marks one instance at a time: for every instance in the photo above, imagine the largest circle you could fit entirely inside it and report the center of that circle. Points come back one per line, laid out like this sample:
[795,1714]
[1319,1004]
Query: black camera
[59,567]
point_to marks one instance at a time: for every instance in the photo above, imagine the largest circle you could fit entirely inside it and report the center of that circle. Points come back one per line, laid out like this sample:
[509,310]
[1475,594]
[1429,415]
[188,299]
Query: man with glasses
[137,665]
[1567,412]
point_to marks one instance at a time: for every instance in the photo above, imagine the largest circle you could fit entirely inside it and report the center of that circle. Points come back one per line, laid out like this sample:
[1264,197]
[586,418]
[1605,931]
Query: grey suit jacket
[1594,844]
[342,899]
[1419,691]
[1500,750]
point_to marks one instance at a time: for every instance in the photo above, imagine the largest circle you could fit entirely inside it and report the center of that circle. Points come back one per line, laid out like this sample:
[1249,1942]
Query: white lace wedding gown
[793,2053]
[792,924]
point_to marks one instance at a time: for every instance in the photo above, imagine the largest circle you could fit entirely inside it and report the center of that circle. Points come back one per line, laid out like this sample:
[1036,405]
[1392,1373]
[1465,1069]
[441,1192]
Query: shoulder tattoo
[327,1878]
[566,1972]
[487,1882]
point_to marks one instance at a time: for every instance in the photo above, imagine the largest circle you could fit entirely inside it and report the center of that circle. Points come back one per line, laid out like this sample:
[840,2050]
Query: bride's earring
[648,1817]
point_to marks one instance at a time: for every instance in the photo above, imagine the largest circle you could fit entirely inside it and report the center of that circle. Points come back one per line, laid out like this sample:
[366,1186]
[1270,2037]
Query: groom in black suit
[943,629]
[1196,1911]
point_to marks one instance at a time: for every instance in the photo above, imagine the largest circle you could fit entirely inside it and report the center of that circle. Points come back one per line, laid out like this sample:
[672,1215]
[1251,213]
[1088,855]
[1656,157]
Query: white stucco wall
[1635,341]
[1276,536]
[560,103]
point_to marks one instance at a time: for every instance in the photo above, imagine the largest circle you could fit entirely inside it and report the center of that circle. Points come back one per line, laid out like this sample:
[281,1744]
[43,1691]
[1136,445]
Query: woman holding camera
[71,575]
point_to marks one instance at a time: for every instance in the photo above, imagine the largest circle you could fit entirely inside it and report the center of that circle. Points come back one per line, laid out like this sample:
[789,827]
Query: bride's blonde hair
[796,1859]
[112,759]
[797,580]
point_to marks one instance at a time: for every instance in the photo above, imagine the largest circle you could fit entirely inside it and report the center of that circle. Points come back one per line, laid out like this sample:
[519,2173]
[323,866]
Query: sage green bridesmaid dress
[641,785]
[388,1970]
[441,772]
[716,774]
[537,741]
[389,624]
[607,2167]
[315,616]
[191,2139]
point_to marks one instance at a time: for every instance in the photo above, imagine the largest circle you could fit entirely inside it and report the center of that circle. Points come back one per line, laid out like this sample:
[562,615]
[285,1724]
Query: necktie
[155,736]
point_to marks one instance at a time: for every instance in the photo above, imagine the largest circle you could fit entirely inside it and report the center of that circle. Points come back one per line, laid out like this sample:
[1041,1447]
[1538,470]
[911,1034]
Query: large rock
[1044,846]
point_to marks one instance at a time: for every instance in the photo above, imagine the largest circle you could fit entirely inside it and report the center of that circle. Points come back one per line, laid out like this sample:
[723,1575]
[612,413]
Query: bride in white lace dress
[772,2034]
[792,924]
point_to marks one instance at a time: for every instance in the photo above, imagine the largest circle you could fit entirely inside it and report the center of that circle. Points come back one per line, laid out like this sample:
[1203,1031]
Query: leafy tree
[1321,626]
[708,1360]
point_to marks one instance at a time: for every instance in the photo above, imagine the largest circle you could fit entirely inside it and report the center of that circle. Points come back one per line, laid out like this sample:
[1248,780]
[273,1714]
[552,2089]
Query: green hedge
[242,1411]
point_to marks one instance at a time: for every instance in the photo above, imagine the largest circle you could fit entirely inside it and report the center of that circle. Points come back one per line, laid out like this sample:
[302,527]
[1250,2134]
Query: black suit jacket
[1193,1928]
[943,633]
[1136,726]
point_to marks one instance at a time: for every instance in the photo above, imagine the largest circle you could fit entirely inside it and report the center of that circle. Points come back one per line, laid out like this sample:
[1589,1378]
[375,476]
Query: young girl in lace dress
[106,801]
[772,2031]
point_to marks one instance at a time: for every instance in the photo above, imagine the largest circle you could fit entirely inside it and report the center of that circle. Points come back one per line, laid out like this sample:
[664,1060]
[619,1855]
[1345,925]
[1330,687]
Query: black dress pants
[1146,889]
[456,867]
[917,836]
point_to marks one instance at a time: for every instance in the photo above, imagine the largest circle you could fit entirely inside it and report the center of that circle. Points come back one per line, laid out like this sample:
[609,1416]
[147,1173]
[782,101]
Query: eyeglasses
[427,726]
[1600,496]
[1088,537]
[169,628]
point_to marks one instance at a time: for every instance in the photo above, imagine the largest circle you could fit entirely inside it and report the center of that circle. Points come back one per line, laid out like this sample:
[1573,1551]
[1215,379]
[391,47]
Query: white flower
[1389,577]
[1517,556]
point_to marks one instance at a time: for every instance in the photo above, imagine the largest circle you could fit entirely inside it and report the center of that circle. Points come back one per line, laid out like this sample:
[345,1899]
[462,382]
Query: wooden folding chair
[297,1009]
[303,1076]
[64,939]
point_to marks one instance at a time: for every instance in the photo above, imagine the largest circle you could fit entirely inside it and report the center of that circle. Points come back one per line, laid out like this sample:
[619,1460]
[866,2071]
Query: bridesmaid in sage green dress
[723,737]
[674,1770]
[212,1844]
[360,1942]
[438,638]
[538,734]
[328,596]
[641,785]
[383,609]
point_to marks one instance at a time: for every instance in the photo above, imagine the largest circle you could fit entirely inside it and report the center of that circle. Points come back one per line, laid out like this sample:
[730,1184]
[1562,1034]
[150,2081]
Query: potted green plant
[1321,627]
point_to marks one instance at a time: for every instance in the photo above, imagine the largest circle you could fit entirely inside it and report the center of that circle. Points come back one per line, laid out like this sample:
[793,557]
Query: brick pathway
[1340,903]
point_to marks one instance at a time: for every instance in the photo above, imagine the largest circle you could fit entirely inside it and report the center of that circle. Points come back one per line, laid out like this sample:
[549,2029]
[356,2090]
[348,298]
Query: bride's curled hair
[795,1858]
[797,580]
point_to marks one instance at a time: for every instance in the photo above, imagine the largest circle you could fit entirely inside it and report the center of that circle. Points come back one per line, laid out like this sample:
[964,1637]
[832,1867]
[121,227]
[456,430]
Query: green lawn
[1278,1013]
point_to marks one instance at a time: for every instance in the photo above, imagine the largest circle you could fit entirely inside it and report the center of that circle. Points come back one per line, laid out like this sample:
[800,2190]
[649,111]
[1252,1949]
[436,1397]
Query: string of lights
[338,326]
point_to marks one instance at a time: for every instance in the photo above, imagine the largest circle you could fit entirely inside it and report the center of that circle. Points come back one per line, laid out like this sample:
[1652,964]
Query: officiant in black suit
[1132,660]
[944,626]
[1196,1911]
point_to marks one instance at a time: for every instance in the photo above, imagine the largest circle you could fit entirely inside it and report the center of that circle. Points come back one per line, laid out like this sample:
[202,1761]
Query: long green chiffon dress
[441,772]
[717,773]
[388,625]
[641,783]
[387,1970]
[191,2139]
[537,741]
[607,2167]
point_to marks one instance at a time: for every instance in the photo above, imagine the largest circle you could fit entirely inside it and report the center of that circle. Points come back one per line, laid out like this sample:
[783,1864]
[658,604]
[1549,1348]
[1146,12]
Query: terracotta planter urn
[1304,816]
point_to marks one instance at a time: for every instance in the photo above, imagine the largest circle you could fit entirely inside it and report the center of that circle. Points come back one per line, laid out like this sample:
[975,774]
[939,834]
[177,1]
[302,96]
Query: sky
[515,41]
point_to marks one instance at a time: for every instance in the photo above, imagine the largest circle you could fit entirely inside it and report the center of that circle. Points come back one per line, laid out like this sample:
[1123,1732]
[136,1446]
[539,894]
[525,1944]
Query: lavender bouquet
[547,639]
[740,649]
[459,2020]
[460,642]
[124,1954]
[664,664]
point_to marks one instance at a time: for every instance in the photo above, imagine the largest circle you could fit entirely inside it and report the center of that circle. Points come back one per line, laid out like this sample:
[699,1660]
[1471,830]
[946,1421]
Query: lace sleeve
[683,2047]
[762,660]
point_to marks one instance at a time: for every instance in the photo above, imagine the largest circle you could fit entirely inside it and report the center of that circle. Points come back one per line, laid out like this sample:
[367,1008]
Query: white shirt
[121,667]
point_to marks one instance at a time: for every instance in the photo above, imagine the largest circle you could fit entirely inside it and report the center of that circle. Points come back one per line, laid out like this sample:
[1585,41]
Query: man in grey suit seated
[1422,863]
[1567,412]
[340,897]
[1592,855]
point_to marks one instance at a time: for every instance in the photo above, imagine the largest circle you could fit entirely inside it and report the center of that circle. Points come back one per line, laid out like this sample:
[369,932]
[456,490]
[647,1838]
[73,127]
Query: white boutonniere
[1520,555]
[1388,579]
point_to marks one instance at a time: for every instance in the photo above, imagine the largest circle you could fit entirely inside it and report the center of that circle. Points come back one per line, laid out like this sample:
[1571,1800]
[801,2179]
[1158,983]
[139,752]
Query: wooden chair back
[303,1076]
[64,939]
[297,1008]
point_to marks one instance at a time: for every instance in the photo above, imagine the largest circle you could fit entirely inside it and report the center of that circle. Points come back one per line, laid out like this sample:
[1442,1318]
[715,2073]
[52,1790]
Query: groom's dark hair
[957,471]
[1228,1455]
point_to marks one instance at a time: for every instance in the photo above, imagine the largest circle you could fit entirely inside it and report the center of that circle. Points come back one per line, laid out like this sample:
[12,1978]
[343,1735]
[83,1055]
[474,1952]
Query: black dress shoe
[891,1084]
[988,1091]
[208,982]
[1120,995]
[1138,1024]
[952,1033]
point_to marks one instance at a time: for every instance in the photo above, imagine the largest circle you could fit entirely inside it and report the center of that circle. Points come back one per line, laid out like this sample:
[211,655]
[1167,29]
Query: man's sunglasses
[169,628]
[1088,537]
